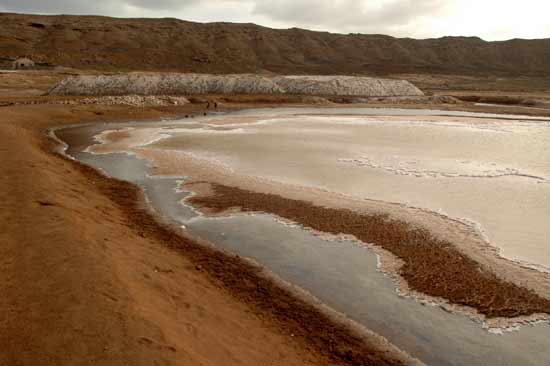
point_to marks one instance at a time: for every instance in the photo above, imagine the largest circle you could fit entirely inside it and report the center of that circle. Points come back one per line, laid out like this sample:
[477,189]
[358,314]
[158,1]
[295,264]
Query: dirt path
[86,278]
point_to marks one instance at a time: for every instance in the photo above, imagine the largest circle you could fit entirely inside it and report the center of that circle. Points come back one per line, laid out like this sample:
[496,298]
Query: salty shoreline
[297,313]
[534,284]
[413,268]
[81,208]
[99,258]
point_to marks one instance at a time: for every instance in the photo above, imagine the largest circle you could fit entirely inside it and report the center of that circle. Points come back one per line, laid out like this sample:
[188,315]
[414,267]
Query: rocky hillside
[184,84]
[175,45]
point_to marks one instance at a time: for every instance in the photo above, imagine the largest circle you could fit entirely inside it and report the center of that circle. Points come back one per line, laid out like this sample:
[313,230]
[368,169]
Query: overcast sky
[488,19]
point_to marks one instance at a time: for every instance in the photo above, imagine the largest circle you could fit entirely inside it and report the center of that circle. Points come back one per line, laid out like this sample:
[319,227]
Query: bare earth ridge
[93,42]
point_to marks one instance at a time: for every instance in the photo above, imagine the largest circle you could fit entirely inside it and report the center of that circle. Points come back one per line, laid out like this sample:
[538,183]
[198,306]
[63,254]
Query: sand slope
[80,287]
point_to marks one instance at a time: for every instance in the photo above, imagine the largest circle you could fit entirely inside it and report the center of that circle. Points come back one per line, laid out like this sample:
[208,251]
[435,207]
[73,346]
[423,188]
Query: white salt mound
[186,84]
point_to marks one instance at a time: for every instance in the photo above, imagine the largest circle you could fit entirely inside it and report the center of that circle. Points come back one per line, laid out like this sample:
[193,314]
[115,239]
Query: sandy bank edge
[494,323]
[218,200]
[296,313]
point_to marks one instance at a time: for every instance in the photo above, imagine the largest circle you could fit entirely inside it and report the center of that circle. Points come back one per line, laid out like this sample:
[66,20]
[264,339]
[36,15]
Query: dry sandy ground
[80,287]
[87,279]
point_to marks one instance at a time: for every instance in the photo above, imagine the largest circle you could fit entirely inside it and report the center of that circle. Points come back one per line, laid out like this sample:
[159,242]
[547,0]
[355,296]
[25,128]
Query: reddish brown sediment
[92,260]
[89,276]
[430,265]
[315,329]
[85,277]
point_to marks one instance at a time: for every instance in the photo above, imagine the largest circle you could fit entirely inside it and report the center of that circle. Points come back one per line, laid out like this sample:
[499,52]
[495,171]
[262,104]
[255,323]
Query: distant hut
[23,63]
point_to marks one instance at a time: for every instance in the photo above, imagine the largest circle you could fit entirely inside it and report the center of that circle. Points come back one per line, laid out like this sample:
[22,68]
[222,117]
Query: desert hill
[93,42]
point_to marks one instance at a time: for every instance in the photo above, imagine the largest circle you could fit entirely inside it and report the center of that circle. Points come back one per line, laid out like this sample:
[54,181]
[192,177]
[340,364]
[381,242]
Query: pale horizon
[421,19]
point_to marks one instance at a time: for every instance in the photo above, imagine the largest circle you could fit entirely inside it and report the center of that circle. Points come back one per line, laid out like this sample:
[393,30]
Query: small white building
[23,63]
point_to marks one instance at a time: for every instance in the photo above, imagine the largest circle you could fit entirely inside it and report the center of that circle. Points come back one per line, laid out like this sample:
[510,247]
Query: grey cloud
[90,6]
[57,6]
[162,4]
[415,18]
[355,12]
[347,14]
[368,16]
[308,11]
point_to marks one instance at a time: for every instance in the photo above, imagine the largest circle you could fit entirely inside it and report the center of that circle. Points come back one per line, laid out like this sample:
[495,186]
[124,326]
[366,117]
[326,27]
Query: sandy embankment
[89,277]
